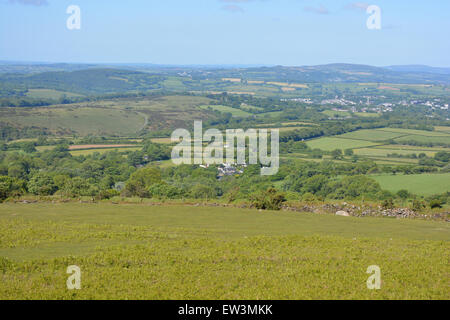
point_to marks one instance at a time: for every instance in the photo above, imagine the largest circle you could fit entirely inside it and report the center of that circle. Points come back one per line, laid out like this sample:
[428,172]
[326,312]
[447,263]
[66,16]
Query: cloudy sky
[270,32]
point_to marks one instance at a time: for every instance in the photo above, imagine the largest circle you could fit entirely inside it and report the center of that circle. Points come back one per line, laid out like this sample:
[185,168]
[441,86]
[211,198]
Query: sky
[228,32]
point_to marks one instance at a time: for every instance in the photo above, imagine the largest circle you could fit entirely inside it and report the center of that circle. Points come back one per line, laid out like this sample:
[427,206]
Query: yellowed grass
[232,79]
[286,84]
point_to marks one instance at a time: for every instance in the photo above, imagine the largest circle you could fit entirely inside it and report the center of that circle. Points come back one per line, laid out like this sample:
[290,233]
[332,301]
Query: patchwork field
[172,252]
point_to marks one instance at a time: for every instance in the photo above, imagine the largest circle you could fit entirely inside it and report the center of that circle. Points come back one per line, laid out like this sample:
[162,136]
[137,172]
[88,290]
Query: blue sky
[270,32]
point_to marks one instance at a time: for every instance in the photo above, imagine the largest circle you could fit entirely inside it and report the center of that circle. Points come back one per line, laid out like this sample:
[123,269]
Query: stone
[342,214]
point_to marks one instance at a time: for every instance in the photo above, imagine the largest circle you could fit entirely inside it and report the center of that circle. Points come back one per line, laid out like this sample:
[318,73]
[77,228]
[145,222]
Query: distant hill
[88,81]
[338,73]
[419,68]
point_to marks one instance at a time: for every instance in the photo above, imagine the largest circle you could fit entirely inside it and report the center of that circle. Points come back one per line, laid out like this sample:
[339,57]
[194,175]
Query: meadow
[189,252]
[224,109]
[420,184]
[332,143]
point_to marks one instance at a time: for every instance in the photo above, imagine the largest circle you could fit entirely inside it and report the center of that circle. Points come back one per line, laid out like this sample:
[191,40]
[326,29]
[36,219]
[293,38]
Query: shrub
[388,204]
[268,200]
[418,205]
[435,204]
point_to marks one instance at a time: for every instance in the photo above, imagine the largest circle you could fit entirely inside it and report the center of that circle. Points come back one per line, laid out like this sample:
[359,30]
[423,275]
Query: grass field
[366,114]
[49,94]
[382,152]
[425,139]
[442,129]
[332,143]
[336,114]
[371,135]
[420,184]
[172,252]
[416,132]
[224,109]
[87,152]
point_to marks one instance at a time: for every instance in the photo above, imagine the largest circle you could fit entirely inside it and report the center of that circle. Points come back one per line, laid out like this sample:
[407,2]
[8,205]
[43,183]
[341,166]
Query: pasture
[371,135]
[187,252]
[332,143]
[224,109]
[49,94]
[336,114]
[420,184]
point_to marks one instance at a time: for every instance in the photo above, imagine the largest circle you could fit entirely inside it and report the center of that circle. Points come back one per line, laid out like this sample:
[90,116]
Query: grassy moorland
[174,252]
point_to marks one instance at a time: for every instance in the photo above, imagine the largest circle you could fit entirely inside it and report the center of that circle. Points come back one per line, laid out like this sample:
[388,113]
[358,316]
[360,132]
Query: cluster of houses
[227,169]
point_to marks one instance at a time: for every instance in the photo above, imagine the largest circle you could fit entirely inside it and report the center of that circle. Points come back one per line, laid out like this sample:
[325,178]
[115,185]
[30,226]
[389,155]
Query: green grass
[332,143]
[336,114]
[182,252]
[49,94]
[425,139]
[103,150]
[381,152]
[416,132]
[224,109]
[366,114]
[370,135]
[420,184]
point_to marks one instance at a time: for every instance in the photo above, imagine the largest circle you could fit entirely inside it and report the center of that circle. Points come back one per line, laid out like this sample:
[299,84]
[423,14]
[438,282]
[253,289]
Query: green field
[425,139]
[366,114]
[370,135]
[332,143]
[224,109]
[49,94]
[103,150]
[420,184]
[382,152]
[336,114]
[416,132]
[172,252]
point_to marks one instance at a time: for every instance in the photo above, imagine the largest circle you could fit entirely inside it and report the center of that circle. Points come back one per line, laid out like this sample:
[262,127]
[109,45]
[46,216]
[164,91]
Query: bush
[435,204]
[268,200]
[403,194]
[42,184]
[11,187]
[418,205]
[140,181]
[107,194]
[388,204]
